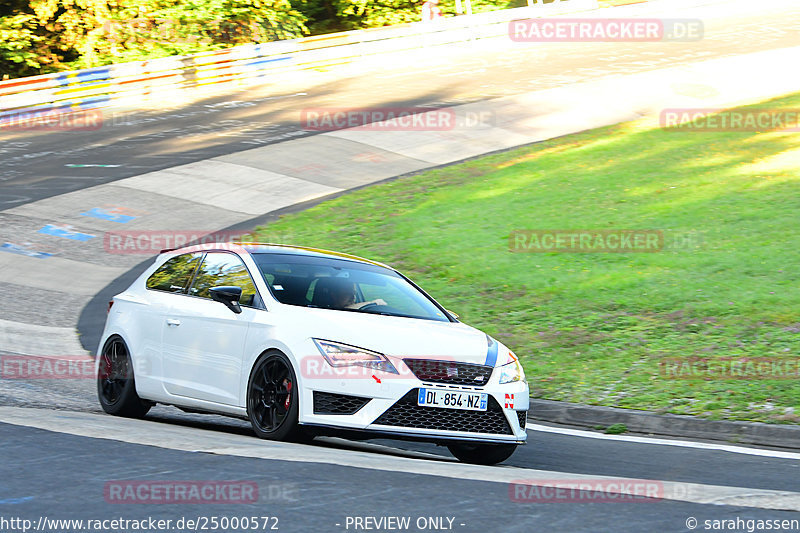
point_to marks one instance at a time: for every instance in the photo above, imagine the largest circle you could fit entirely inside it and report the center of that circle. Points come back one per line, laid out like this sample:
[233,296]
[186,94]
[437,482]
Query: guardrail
[99,87]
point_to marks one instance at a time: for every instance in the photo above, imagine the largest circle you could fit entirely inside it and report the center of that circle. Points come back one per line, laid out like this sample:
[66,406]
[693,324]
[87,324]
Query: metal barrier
[100,86]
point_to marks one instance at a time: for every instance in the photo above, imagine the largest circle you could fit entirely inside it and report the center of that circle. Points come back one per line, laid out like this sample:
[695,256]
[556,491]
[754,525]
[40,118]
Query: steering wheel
[369,305]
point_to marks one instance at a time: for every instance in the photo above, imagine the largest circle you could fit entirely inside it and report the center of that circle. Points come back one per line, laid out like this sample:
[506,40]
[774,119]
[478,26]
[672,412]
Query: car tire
[116,385]
[273,405]
[481,454]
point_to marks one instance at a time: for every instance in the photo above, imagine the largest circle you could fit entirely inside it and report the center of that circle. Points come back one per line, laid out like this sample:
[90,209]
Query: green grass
[616,429]
[593,327]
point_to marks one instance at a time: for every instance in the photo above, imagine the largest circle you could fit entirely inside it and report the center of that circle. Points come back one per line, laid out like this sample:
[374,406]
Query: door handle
[173,322]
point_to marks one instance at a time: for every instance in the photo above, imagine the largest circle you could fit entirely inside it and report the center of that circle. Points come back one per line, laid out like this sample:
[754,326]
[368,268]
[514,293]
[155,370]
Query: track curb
[637,421]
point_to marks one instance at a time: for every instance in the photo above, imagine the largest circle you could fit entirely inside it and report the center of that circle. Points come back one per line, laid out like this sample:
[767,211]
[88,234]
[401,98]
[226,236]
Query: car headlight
[512,370]
[338,355]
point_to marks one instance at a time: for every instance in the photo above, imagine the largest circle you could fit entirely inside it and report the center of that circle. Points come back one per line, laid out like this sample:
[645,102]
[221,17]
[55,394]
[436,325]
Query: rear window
[174,275]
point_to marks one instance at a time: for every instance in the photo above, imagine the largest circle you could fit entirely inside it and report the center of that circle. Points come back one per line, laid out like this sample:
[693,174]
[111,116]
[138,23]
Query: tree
[40,36]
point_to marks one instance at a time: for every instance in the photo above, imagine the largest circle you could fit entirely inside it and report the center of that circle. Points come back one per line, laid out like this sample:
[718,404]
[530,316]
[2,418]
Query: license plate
[447,399]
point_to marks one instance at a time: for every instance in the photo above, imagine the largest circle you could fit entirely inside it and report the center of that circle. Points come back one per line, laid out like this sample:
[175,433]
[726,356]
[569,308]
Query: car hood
[397,336]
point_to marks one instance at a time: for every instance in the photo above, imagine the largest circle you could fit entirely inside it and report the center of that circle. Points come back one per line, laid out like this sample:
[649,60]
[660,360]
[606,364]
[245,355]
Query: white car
[305,342]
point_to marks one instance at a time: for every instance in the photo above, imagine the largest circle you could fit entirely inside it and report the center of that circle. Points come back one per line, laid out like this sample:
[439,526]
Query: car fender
[253,352]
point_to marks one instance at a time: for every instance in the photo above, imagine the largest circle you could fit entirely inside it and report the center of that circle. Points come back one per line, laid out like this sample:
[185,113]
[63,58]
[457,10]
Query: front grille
[406,413]
[450,372]
[523,417]
[327,403]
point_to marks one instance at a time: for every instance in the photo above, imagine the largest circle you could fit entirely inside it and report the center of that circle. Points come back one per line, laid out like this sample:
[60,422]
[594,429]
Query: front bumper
[391,410]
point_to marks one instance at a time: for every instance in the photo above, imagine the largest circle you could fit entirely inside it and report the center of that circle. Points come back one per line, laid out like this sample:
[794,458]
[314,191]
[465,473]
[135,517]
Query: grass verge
[597,327]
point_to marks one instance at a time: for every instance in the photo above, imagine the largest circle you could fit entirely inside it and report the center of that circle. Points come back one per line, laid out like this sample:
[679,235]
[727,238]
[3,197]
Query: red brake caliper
[289,396]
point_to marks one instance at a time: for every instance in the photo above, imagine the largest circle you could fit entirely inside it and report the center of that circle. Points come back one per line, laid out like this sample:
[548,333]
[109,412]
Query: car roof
[274,248]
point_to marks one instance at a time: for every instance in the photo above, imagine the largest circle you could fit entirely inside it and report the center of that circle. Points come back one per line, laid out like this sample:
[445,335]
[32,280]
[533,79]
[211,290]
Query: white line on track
[665,442]
[175,437]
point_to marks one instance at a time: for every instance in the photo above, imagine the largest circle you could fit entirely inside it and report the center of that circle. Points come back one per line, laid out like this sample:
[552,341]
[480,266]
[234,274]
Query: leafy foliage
[342,15]
[41,36]
[22,51]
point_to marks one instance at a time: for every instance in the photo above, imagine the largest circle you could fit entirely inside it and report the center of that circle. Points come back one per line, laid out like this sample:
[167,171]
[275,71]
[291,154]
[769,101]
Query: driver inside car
[343,296]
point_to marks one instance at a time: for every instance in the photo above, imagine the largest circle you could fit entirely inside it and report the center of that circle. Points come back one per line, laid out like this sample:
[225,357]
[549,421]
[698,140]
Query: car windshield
[329,283]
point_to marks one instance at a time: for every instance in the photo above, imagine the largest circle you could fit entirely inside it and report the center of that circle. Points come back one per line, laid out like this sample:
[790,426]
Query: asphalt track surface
[59,475]
[305,497]
[35,166]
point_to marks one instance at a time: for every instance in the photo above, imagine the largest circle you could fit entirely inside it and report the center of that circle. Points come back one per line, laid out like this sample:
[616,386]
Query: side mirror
[452,314]
[228,296]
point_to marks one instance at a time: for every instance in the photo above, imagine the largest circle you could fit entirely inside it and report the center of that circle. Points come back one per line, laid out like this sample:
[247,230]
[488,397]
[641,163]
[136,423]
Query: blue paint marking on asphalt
[12,501]
[107,215]
[23,250]
[65,232]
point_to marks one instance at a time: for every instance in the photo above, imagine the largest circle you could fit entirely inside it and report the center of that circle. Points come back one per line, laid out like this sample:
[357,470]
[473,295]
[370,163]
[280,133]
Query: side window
[220,269]
[174,275]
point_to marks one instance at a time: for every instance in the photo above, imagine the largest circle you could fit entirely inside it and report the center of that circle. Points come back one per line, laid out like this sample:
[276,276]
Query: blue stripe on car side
[491,354]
